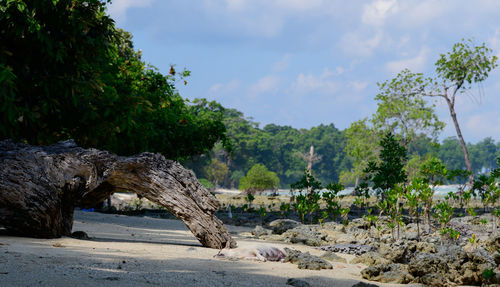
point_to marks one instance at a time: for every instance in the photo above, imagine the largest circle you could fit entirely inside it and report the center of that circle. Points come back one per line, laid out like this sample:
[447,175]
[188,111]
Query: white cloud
[221,89]
[244,17]
[237,5]
[483,124]
[339,70]
[403,41]
[357,44]
[308,83]
[415,64]
[283,63]
[299,5]
[494,42]
[424,12]
[265,84]
[376,13]
[267,19]
[289,6]
[358,86]
[118,8]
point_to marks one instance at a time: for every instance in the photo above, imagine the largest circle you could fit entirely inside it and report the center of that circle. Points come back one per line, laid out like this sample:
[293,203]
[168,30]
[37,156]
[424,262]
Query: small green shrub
[451,233]
[262,212]
[206,183]
[370,218]
[284,209]
[332,199]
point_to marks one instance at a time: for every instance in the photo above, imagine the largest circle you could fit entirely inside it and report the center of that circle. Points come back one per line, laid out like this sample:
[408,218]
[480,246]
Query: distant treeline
[282,149]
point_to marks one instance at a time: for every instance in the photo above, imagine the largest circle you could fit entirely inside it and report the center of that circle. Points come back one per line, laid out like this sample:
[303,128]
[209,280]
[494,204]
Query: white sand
[143,251]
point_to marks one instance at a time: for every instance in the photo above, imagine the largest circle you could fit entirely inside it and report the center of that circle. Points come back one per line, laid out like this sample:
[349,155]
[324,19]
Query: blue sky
[307,62]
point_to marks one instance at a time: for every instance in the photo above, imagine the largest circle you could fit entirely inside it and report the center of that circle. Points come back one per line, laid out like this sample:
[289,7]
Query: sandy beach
[144,251]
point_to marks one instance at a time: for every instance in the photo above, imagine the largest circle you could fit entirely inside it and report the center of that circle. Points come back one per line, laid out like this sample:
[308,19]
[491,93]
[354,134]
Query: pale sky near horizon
[308,62]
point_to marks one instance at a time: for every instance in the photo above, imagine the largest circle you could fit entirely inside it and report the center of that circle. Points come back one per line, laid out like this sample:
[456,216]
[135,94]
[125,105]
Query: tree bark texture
[41,186]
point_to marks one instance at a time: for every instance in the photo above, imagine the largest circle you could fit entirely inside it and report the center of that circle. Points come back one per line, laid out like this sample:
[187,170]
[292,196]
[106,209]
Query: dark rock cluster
[354,249]
[306,260]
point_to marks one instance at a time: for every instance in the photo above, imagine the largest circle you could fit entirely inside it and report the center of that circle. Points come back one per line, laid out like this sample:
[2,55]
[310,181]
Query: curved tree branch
[40,186]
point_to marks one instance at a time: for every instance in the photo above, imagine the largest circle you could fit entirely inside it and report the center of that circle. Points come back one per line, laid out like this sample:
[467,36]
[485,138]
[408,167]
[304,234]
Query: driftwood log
[41,186]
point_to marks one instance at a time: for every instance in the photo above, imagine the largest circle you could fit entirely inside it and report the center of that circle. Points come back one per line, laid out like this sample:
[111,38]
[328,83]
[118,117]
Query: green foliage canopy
[216,171]
[389,172]
[456,71]
[67,72]
[402,111]
[259,178]
[361,147]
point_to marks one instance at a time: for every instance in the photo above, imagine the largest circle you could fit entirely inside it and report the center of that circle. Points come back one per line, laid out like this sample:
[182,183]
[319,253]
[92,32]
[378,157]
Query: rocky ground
[430,260]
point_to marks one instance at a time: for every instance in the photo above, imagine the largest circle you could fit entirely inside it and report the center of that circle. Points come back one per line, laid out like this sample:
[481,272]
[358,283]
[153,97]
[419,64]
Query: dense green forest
[280,149]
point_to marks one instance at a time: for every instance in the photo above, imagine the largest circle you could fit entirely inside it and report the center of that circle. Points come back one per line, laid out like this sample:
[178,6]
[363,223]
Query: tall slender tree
[456,71]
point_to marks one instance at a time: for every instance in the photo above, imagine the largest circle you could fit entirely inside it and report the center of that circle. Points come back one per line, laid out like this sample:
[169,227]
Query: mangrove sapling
[358,202]
[486,185]
[249,198]
[473,240]
[398,189]
[262,212]
[370,219]
[313,204]
[487,190]
[344,212]
[324,216]
[460,177]
[379,228]
[452,234]
[300,206]
[426,195]
[443,212]
[434,171]
[471,211]
[413,200]
[388,206]
[307,203]
[466,199]
[362,192]
[244,208]
[284,209]
[496,216]
[452,198]
[332,198]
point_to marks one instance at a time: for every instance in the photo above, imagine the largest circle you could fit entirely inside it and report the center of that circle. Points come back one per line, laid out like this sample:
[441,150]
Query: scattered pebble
[80,235]
[297,282]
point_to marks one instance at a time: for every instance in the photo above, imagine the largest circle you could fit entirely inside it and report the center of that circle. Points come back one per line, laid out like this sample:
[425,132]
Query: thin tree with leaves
[457,70]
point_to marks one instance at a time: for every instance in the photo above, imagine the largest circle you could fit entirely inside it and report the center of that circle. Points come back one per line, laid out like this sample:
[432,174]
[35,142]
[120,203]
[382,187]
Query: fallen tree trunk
[41,186]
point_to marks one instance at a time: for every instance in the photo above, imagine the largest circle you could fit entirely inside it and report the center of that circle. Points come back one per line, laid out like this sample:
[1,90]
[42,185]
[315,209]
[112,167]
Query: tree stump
[41,185]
